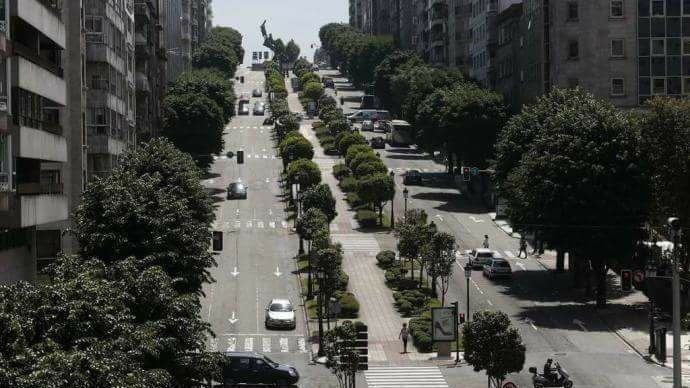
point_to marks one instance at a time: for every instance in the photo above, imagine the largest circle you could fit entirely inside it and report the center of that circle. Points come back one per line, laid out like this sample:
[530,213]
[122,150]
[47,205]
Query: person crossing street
[404,336]
[523,247]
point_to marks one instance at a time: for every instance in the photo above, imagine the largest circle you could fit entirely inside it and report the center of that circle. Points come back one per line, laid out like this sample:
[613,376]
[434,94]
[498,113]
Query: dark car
[257,93]
[378,143]
[243,108]
[237,190]
[412,177]
[259,109]
[254,368]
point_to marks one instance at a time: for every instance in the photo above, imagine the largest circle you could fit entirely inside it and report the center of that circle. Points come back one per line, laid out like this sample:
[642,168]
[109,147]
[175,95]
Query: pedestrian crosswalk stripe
[302,345]
[284,224]
[249,156]
[272,224]
[266,345]
[357,243]
[249,224]
[249,344]
[401,377]
[509,254]
[284,345]
[260,224]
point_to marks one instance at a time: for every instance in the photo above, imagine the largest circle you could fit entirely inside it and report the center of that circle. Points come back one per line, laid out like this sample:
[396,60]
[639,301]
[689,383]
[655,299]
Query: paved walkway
[367,280]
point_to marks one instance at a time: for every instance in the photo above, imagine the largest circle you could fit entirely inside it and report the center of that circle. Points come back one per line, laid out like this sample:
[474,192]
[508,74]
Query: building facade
[507,59]
[33,145]
[150,67]
[178,37]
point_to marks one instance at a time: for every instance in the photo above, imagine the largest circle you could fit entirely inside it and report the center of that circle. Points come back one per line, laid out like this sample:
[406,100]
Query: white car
[478,257]
[497,268]
[280,313]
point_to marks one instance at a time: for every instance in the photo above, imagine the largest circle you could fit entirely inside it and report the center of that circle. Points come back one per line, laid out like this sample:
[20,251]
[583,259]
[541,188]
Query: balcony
[40,81]
[41,145]
[142,83]
[141,44]
[39,208]
[102,142]
[142,11]
[44,15]
[39,188]
[32,55]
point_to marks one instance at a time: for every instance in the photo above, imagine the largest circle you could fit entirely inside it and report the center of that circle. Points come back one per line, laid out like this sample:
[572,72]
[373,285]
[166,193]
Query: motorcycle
[559,379]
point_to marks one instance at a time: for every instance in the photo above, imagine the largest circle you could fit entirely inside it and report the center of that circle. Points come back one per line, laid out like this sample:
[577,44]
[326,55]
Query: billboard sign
[443,324]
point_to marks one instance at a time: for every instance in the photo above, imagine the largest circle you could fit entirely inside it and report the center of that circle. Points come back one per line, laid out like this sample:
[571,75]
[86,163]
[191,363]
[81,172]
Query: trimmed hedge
[349,305]
[393,275]
[343,280]
[385,259]
[420,328]
[411,302]
[366,218]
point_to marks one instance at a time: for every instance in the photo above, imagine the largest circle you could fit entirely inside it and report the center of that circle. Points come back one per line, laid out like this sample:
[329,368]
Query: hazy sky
[286,19]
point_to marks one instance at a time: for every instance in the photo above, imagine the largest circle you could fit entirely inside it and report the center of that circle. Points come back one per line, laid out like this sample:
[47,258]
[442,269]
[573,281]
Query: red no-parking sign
[509,385]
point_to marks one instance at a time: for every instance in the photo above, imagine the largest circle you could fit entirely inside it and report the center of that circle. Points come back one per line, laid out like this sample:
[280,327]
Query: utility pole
[676,232]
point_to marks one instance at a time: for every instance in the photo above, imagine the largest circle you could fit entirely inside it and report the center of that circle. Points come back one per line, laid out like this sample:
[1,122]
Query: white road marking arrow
[580,324]
[277,272]
[440,217]
[235,272]
[233,320]
[475,219]
[530,322]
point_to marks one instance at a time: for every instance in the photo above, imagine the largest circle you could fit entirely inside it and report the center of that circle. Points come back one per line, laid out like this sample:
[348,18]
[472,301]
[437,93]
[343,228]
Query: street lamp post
[468,276]
[393,200]
[649,274]
[406,193]
[676,232]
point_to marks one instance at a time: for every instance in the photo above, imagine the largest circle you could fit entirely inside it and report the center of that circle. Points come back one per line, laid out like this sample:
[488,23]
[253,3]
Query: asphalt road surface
[256,264]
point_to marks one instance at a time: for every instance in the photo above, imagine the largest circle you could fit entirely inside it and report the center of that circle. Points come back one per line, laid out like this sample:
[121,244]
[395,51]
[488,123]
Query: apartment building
[178,37]
[507,58]
[150,67]
[201,20]
[460,36]
[33,146]
[355,14]
[110,100]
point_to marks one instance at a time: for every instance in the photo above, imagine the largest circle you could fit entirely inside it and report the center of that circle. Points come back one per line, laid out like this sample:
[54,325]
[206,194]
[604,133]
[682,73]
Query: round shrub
[343,280]
[363,158]
[386,259]
[370,168]
[349,184]
[393,275]
[350,139]
[420,329]
[349,305]
[341,171]
[356,150]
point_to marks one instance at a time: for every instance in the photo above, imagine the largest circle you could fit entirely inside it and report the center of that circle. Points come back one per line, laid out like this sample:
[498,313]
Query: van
[369,101]
[400,132]
[369,114]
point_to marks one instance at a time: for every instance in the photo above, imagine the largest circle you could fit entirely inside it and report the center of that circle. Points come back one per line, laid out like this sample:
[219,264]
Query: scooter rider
[549,370]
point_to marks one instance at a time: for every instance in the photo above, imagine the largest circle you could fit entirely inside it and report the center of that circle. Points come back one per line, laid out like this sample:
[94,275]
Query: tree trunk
[380,215]
[412,269]
[421,272]
[309,288]
[433,285]
[560,261]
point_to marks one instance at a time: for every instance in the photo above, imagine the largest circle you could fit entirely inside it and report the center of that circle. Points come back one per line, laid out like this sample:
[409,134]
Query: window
[686,46]
[93,24]
[658,8]
[658,47]
[658,85]
[686,85]
[572,11]
[617,87]
[573,49]
[643,47]
[617,8]
[617,48]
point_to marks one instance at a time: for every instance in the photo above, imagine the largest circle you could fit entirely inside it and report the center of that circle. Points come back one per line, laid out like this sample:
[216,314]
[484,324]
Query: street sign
[466,174]
[443,324]
[638,276]
[240,157]
[468,271]
[474,171]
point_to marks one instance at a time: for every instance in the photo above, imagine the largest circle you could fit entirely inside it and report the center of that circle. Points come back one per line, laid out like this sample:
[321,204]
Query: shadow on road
[405,151]
[210,175]
[452,201]
[408,157]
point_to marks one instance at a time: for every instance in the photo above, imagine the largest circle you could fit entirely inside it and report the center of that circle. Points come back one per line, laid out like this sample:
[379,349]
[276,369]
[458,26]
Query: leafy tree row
[125,310]
[201,101]
[355,53]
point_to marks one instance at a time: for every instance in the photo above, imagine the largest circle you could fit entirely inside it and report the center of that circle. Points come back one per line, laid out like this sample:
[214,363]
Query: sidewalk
[367,281]
[627,317]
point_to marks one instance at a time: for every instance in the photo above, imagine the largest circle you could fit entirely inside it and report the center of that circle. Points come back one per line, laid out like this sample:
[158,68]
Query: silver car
[497,268]
[478,257]
[281,314]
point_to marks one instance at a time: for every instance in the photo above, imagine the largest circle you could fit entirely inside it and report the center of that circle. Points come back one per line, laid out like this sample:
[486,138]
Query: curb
[643,356]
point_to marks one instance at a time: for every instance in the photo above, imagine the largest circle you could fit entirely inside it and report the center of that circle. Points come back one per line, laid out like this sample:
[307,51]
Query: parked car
[243,108]
[328,82]
[368,125]
[412,177]
[497,268]
[478,257]
[237,190]
[378,143]
[360,115]
[257,93]
[254,368]
[280,313]
[259,109]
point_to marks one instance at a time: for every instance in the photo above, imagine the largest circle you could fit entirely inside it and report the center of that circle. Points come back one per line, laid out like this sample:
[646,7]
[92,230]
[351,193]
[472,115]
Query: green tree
[215,56]
[362,158]
[328,261]
[412,235]
[349,139]
[580,181]
[194,123]
[305,172]
[411,85]
[665,134]
[387,69]
[308,77]
[355,150]
[228,37]
[440,252]
[313,91]
[339,125]
[370,168]
[295,147]
[376,189]
[309,225]
[210,83]
[302,65]
[491,344]
[343,358]
[292,51]
[154,209]
[320,197]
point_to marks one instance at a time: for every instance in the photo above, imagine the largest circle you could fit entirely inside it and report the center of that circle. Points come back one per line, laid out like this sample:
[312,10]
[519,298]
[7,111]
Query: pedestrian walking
[523,247]
[404,336]
[486,241]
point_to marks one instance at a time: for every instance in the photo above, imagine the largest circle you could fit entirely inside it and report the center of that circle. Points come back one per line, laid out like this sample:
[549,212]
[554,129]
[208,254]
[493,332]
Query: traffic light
[466,174]
[461,318]
[240,157]
[626,280]
[217,241]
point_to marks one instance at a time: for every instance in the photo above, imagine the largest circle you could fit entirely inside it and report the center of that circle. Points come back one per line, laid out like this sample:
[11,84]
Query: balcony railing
[32,122]
[142,9]
[54,6]
[39,188]
[31,55]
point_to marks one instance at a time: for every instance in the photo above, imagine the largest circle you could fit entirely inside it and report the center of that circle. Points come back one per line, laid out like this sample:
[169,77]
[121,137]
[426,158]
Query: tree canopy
[292,51]
[320,197]
[305,172]
[215,55]
[210,83]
